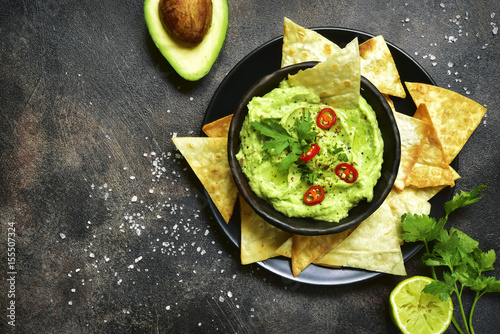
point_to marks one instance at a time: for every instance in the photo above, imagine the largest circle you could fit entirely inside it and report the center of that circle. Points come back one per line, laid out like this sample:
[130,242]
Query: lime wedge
[414,311]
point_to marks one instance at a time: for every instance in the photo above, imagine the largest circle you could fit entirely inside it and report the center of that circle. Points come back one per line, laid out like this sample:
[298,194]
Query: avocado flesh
[191,63]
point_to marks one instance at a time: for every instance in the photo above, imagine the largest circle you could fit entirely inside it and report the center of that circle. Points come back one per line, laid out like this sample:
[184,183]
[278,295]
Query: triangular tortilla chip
[373,245]
[219,127]
[259,239]
[306,249]
[413,199]
[431,168]
[413,133]
[454,116]
[301,45]
[285,249]
[378,66]
[337,80]
[208,159]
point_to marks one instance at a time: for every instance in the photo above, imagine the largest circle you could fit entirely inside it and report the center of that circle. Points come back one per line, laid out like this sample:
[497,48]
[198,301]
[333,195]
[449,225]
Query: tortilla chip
[425,193]
[423,175]
[306,249]
[373,245]
[337,80]
[390,102]
[413,133]
[301,45]
[431,168]
[378,66]
[285,249]
[219,127]
[259,239]
[208,159]
[454,116]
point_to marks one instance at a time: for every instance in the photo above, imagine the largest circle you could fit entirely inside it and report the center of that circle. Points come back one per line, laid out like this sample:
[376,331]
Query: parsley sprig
[463,262]
[280,139]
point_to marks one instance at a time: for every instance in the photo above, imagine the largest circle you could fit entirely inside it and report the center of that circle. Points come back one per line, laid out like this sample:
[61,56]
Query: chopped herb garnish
[307,174]
[281,140]
[342,155]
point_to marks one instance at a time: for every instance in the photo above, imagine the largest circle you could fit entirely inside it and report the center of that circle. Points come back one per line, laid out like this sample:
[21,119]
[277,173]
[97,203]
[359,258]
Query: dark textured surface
[87,110]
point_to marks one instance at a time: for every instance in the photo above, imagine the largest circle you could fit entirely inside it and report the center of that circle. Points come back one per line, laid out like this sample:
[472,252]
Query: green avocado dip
[281,125]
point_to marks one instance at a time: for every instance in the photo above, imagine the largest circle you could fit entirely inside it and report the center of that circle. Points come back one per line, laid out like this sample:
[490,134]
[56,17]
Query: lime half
[414,311]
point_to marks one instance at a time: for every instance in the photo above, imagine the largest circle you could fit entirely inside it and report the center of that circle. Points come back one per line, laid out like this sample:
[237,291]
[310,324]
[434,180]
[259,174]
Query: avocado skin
[191,63]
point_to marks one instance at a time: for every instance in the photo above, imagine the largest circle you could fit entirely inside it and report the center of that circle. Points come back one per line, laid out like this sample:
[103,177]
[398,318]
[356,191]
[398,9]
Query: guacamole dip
[346,167]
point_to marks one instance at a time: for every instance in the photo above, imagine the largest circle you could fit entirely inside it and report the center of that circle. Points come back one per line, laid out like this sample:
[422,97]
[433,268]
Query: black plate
[266,59]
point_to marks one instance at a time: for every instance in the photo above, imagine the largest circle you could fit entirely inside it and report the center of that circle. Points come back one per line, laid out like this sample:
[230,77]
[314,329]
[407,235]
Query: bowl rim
[309,226]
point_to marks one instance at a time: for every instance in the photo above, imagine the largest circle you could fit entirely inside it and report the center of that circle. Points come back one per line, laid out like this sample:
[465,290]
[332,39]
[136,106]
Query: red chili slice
[313,150]
[314,195]
[346,172]
[326,118]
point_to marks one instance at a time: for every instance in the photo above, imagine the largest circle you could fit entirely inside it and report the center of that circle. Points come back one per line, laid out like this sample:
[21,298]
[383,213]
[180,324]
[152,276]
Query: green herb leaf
[291,157]
[492,284]
[339,149]
[281,140]
[303,128]
[418,228]
[439,288]
[455,250]
[307,173]
[463,199]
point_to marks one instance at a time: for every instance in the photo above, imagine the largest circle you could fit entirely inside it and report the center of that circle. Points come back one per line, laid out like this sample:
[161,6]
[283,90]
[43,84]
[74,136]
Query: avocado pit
[187,21]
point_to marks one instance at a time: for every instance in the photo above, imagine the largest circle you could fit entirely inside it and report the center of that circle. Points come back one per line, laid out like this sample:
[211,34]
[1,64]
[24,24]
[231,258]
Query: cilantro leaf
[270,128]
[466,242]
[439,288]
[484,260]
[343,157]
[492,284]
[303,128]
[291,157]
[280,140]
[280,137]
[463,199]
[418,228]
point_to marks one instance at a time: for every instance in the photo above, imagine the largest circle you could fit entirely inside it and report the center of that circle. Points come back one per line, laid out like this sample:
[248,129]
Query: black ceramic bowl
[308,226]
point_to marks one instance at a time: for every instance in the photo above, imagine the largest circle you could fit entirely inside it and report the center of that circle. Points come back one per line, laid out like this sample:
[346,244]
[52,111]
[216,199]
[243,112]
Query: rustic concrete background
[112,231]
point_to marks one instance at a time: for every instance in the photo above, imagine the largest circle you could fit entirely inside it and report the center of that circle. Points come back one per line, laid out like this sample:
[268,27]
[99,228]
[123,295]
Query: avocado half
[191,63]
